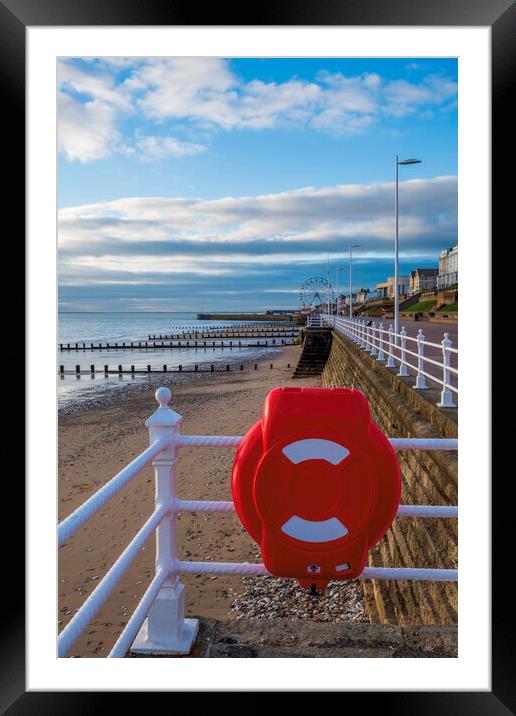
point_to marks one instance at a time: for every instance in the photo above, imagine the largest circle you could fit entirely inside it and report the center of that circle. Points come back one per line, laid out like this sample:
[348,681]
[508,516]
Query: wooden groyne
[142,345]
[263,317]
[254,334]
[273,326]
[132,370]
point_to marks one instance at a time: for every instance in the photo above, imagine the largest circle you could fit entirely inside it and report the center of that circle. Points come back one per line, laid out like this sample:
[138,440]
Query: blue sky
[189,183]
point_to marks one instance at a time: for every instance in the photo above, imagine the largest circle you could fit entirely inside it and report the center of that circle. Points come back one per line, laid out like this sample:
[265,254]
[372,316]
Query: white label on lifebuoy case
[315,449]
[310,531]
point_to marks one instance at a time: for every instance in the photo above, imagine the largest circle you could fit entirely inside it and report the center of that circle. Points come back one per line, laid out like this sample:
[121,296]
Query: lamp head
[410,161]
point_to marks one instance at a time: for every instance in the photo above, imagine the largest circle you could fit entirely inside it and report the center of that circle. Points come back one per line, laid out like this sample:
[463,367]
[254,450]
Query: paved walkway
[291,638]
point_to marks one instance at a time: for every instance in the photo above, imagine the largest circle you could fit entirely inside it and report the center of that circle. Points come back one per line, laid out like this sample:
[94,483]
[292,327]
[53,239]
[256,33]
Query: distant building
[423,279]
[361,296]
[386,290]
[448,276]
[358,297]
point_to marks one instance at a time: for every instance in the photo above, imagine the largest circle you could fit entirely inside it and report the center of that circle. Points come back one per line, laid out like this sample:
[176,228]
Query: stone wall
[428,478]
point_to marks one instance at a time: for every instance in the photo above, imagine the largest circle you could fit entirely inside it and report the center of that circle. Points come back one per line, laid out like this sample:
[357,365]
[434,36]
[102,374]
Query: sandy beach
[95,444]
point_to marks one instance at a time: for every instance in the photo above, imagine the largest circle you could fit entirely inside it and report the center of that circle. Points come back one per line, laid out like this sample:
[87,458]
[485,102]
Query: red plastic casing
[316,483]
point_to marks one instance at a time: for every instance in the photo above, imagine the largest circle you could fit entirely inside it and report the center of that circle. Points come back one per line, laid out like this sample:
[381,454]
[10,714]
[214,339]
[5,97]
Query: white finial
[163,396]
[164,415]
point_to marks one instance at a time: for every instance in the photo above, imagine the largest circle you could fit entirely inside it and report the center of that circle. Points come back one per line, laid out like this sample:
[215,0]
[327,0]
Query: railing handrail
[229,506]
[377,340]
[93,504]
[69,526]
[256,568]
[397,443]
[342,319]
[165,441]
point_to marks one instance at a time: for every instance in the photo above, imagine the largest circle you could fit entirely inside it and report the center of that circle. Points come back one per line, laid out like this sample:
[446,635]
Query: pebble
[276,597]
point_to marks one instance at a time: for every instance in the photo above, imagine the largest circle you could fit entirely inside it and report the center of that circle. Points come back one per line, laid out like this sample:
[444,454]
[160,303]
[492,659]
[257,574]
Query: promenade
[434,333]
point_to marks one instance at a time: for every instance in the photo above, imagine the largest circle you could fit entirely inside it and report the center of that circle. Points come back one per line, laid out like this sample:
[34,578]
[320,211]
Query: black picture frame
[500,15]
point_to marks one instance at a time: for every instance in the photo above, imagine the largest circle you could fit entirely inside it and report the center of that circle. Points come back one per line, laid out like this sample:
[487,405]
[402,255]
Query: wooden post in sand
[165,630]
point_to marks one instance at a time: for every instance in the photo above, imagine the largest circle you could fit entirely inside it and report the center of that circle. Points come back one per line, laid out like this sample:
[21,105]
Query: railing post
[420,380]
[373,339]
[390,360]
[403,372]
[368,339]
[362,334]
[381,354]
[446,394]
[165,630]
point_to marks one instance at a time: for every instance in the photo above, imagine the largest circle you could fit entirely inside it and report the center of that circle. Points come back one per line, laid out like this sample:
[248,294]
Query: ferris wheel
[314,292]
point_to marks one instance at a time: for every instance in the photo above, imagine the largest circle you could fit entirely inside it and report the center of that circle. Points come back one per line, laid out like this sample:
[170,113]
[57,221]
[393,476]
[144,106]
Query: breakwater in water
[121,342]
[244,317]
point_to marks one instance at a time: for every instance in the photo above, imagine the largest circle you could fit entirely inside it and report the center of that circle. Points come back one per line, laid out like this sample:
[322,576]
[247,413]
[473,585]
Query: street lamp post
[351,247]
[329,283]
[337,272]
[396,287]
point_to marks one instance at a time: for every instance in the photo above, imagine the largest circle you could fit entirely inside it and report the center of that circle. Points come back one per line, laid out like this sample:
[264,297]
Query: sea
[75,390]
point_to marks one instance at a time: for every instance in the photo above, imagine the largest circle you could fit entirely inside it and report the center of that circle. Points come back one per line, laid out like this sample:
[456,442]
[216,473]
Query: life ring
[316,483]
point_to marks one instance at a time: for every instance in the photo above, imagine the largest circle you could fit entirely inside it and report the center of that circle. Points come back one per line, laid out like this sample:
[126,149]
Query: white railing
[158,624]
[314,320]
[392,349]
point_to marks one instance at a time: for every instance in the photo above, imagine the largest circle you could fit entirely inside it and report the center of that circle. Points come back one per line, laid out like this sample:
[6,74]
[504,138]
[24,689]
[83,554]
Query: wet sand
[95,444]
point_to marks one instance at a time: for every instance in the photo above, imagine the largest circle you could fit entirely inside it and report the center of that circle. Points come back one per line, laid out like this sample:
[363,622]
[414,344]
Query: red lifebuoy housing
[316,483]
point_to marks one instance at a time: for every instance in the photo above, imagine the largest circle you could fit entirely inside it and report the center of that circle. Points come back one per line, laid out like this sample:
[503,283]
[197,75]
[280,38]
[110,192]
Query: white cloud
[153,147]
[86,131]
[206,93]
[161,235]
[197,87]
[101,87]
